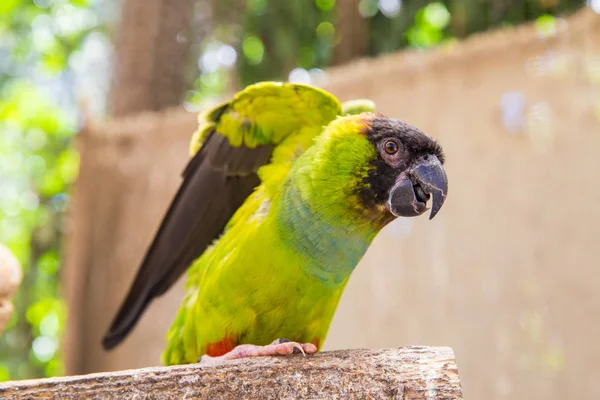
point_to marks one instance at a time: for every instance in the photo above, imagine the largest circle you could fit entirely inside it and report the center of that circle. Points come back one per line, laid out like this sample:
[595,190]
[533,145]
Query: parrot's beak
[425,179]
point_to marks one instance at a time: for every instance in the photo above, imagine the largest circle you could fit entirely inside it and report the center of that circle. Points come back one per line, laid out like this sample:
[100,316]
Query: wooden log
[404,373]
[10,278]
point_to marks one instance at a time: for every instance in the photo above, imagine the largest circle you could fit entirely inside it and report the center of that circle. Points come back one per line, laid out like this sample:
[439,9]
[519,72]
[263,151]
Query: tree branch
[405,373]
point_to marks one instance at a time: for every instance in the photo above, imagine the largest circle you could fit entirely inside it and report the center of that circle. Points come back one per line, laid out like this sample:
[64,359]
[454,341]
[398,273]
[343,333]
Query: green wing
[266,113]
[232,142]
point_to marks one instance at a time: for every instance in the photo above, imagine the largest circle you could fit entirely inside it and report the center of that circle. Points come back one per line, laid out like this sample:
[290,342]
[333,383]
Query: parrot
[285,189]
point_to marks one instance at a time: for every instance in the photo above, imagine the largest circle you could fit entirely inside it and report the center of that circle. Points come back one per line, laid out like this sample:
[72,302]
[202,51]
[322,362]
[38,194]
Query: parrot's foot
[278,347]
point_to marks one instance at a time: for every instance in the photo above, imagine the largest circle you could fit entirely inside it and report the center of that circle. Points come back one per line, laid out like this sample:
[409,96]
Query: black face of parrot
[408,170]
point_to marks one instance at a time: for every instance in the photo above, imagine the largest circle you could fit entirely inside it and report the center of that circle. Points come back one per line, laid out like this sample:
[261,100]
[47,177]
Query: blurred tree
[152,47]
[351,32]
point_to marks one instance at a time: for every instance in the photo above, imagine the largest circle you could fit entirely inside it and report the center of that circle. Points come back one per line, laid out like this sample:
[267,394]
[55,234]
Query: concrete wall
[508,272]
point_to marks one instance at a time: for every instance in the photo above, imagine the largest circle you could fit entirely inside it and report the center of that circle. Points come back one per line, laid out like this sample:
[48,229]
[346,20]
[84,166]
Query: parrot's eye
[390,147]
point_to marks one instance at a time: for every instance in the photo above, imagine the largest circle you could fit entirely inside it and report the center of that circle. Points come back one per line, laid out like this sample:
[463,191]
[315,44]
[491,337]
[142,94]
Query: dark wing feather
[216,182]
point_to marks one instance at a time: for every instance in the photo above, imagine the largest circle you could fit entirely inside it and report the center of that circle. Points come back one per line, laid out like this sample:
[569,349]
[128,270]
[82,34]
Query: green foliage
[277,38]
[303,33]
[37,166]
[253,49]
[429,26]
[293,33]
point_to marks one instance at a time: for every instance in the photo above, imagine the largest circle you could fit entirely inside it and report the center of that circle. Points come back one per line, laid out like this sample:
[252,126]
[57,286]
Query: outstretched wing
[233,141]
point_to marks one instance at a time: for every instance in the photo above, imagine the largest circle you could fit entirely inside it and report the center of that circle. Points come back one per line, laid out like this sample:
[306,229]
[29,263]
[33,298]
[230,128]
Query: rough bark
[152,45]
[406,373]
[10,277]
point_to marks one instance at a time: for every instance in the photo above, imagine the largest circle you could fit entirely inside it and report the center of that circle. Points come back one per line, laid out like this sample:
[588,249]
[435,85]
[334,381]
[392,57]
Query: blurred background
[507,274]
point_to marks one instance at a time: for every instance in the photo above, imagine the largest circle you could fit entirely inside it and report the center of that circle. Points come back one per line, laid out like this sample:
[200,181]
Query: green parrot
[285,191]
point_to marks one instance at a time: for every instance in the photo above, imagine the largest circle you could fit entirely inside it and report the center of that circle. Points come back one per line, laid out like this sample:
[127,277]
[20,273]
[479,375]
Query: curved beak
[425,179]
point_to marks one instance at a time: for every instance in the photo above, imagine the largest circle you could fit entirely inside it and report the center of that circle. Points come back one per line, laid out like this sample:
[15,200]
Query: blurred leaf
[14,318]
[306,57]
[55,368]
[7,6]
[49,262]
[53,63]
[429,24]
[4,373]
[52,183]
[68,165]
[37,166]
[545,25]
[368,8]
[424,36]
[38,310]
[325,31]
[325,5]
[436,15]
[253,49]
[257,6]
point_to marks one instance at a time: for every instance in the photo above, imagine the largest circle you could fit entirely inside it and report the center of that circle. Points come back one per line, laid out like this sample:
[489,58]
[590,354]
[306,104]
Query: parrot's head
[407,169]
[393,169]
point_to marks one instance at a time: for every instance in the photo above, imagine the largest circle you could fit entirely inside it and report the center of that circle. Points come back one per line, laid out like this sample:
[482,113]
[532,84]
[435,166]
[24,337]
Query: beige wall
[508,273]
